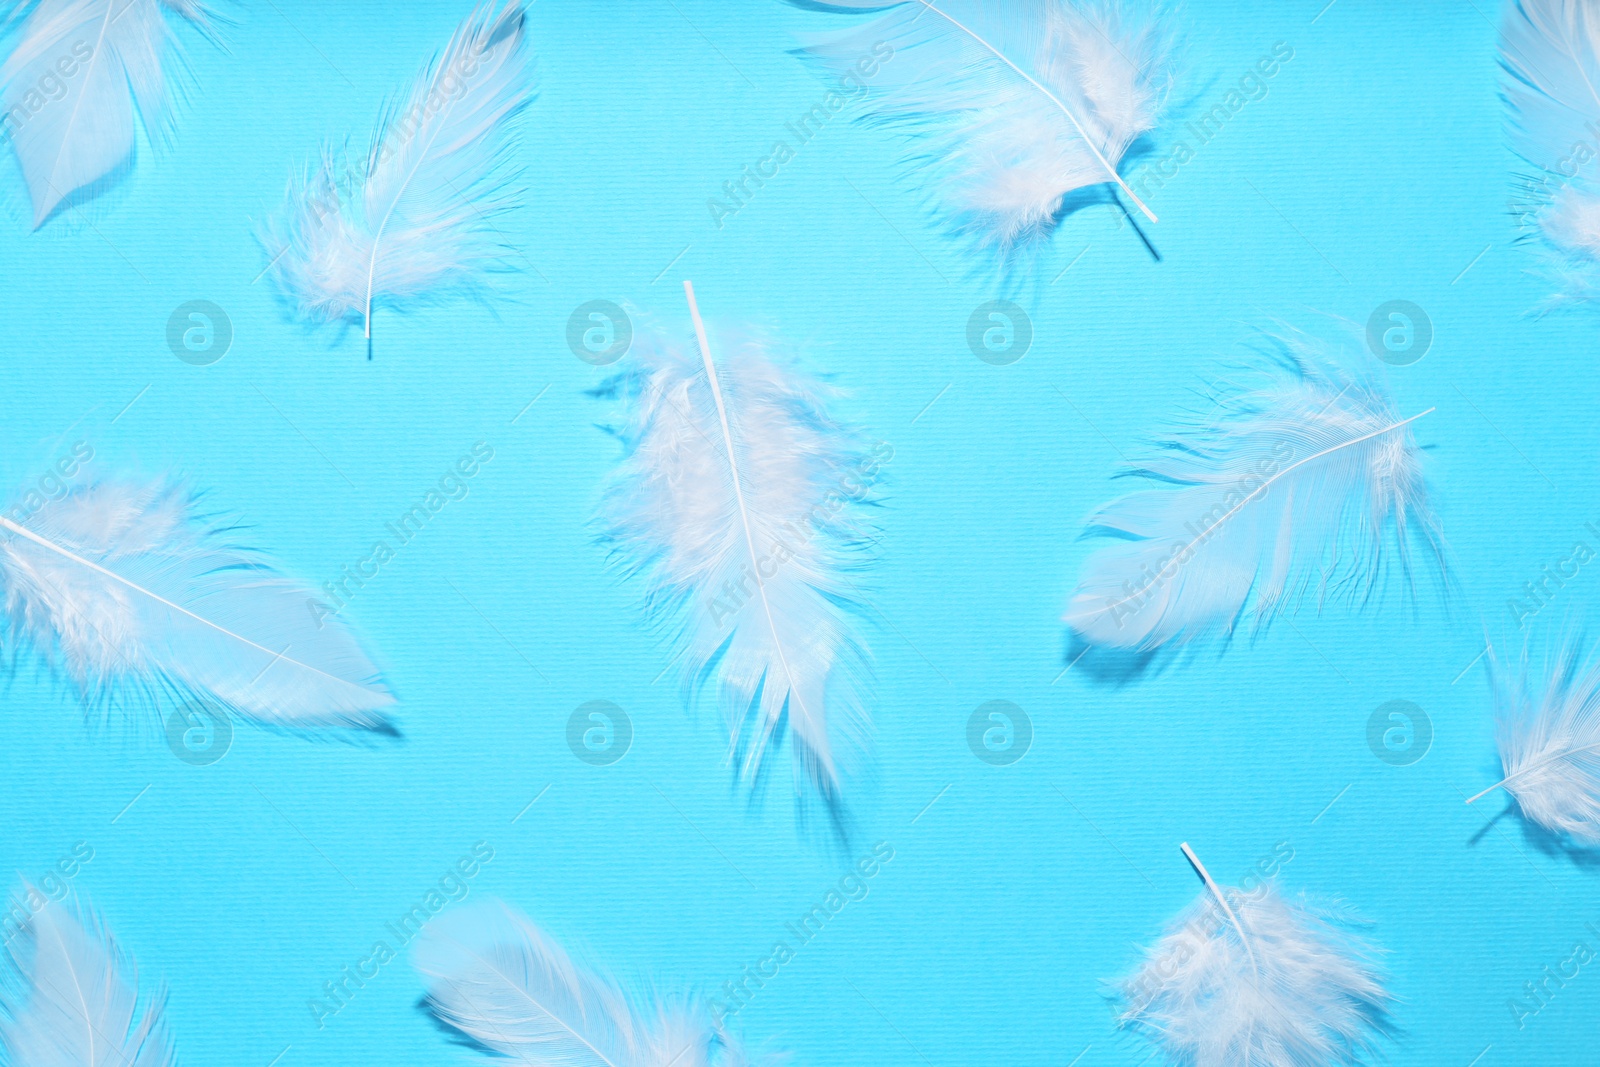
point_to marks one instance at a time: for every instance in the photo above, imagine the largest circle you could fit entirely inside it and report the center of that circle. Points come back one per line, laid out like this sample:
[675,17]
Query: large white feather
[73,130]
[1251,978]
[415,218]
[77,1005]
[494,976]
[1549,740]
[1550,50]
[734,469]
[1018,103]
[121,587]
[1298,481]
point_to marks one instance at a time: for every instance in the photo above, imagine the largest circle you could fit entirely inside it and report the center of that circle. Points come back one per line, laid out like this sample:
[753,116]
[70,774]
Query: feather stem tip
[1200,869]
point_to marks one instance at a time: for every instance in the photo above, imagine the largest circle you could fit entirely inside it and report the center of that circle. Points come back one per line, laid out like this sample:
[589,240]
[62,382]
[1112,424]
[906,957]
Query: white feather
[121,587]
[1253,979]
[1018,103]
[734,468]
[1550,50]
[1549,741]
[415,218]
[71,142]
[77,1005]
[494,976]
[1297,481]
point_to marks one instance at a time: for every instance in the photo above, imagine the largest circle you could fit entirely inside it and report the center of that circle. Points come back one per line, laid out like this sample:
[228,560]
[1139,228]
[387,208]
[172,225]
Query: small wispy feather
[1251,978]
[1549,740]
[74,997]
[1550,51]
[116,51]
[416,217]
[495,977]
[1016,104]
[123,588]
[1300,480]
[738,500]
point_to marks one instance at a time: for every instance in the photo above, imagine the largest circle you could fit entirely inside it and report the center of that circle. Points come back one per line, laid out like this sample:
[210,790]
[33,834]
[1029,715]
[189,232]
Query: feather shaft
[1052,97]
[164,602]
[744,513]
[1265,485]
[1547,761]
[1227,910]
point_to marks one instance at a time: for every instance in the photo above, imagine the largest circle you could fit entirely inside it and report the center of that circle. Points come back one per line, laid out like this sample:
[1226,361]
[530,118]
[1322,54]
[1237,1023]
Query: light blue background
[1374,170]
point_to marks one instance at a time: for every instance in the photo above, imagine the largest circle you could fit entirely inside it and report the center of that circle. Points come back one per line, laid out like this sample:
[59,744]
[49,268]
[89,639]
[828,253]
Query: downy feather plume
[1301,479]
[1251,978]
[71,87]
[1016,104]
[415,218]
[737,499]
[495,977]
[74,997]
[1550,50]
[124,589]
[1549,741]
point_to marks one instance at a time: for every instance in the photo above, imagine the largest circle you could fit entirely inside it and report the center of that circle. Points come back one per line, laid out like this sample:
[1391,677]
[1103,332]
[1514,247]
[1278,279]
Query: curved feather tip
[1251,978]
[1015,105]
[414,219]
[70,90]
[1304,479]
[739,499]
[1549,739]
[75,998]
[123,588]
[503,984]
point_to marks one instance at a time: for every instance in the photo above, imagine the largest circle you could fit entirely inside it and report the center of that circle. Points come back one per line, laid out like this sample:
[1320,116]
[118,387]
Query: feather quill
[499,980]
[1018,104]
[736,496]
[1295,481]
[123,588]
[1251,978]
[1550,52]
[77,1005]
[115,51]
[1549,741]
[416,217]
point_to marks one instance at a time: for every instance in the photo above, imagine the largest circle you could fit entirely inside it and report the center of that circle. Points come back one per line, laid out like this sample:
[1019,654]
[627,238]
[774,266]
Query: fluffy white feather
[415,218]
[70,89]
[494,976]
[1550,50]
[1018,104]
[123,588]
[738,498]
[1296,481]
[1251,978]
[76,999]
[1549,740]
